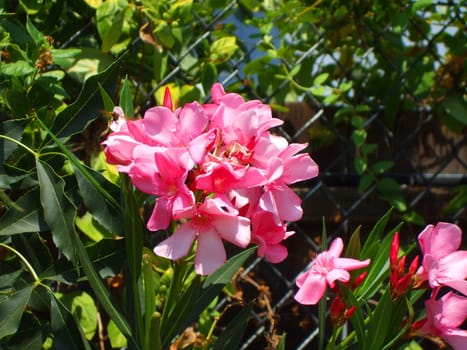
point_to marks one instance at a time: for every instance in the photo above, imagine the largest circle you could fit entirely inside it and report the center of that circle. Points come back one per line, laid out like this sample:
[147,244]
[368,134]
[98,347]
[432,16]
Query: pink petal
[311,291]
[337,275]
[299,168]
[200,145]
[274,253]
[440,240]
[288,204]
[210,253]
[302,278]
[454,310]
[454,266]
[457,338]
[217,92]
[234,229]
[178,245]
[350,264]
[192,121]
[336,247]
[460,286]
[161,215]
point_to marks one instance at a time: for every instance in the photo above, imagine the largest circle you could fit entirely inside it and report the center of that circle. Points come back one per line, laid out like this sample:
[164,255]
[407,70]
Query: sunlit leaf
[66,331]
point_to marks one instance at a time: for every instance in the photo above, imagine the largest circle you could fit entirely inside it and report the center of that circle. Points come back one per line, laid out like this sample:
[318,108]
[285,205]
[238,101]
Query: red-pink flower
[443,264]
[214,221]
[326,269]
[399,280]
[443,317]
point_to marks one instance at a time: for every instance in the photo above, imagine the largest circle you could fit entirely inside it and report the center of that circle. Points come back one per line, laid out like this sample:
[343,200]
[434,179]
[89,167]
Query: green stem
[174,292]
[19,144]
[155,333]
[28,265]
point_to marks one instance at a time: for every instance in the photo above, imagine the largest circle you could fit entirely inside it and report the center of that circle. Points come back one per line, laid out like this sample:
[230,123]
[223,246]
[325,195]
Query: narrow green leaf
[379,324]
[356,319]
[106,99]
[133,233]
[103,294]
[59,212]
[126,99]
[67,334]
[11,310]
[354,245]
[75,117]
[214,283]
[232,336]
[377,232]
[180,315]
[29,219]
[92,186]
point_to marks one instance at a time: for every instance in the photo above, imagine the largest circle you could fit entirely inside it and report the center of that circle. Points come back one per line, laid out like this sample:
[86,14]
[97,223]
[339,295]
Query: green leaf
[364,183]
[17,69]
[106,99]
[354,245]
[359,137]
[214,283]
[83,308]
[382,166]
[11,310]
[110,17]
[360,164]
[420,4]
[456,107]
[320,79]
[93,186]
[67,333]
[133,233]
[75,117]
[102,293]
[116,337]
[376,233]
[35,34]
[29,334]
[356,319]
[379,324]
[126,100]
[208,75]
[59,212]
[28,219]
[232,336]
[222,49]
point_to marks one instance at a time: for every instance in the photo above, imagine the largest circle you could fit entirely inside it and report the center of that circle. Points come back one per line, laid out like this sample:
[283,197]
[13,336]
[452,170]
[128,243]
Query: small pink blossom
[443,264]
[443,317]
[326,269]
[214,221]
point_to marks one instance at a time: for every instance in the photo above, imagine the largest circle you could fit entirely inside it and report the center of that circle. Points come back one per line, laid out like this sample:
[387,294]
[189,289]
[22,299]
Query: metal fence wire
[385,122]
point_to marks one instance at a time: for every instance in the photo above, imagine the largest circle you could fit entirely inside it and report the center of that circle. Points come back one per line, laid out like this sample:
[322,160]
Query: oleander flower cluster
[442,273]
[217,172]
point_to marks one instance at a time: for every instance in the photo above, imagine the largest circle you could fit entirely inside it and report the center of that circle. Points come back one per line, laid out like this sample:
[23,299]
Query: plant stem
[28,265]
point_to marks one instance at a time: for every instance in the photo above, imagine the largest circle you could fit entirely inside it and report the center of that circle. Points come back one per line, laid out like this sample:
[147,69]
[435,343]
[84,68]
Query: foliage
[70,227]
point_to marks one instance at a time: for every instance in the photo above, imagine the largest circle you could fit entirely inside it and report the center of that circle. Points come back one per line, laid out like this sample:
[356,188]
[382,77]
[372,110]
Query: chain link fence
[379,97]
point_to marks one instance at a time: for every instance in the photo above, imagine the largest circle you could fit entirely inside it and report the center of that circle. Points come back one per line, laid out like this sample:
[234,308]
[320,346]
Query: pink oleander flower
[216,172]
[443,264]
[214,221]
[443,317]
[326,269]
